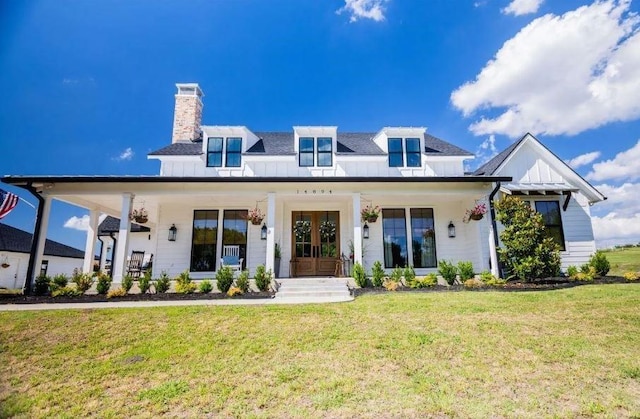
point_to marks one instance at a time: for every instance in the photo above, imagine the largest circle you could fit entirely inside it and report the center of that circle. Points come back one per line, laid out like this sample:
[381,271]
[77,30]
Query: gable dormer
[223,146]
[315,146]
[404,146]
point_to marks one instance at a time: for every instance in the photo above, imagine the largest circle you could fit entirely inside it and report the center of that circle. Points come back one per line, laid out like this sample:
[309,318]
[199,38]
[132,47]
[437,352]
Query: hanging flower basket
[255,216]
[477,213]
[476,217]
[370,214]
[140,216]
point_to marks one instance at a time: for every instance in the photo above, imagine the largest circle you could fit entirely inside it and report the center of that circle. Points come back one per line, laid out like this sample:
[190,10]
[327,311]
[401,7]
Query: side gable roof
[15,240]
[112,225]
[494,166]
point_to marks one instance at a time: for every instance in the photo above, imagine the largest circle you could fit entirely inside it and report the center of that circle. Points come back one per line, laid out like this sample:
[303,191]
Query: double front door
[316,246]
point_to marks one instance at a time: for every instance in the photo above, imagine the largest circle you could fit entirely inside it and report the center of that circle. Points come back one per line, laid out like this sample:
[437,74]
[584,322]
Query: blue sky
[87,87]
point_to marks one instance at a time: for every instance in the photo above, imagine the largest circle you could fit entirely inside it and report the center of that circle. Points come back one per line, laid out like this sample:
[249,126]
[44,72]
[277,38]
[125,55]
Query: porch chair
[231,258]
[134,264]
[147,263]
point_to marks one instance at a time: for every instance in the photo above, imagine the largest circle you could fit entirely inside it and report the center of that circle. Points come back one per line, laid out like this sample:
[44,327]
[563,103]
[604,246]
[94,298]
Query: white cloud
[560,74]
[125,155]
[623,199]
[613,229]
[624,165]
[487,150]
[583,159]
[364,9]
[522,7]
[81,223]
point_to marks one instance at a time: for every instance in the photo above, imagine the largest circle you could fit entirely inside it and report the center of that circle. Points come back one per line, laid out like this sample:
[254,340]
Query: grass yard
[624,260]
[559,353]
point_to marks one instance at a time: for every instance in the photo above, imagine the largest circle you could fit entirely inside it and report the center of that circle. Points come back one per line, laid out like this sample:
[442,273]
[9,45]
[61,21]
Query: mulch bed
[546,284]
[93,298]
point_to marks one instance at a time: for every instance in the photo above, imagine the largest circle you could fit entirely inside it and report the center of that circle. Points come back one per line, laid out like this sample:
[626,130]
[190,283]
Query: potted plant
[476,213]
[370,213]
[255,216]
[277,256]
[139,216]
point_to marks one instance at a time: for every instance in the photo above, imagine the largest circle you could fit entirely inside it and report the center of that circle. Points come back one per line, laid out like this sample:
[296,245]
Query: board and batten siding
[14,275]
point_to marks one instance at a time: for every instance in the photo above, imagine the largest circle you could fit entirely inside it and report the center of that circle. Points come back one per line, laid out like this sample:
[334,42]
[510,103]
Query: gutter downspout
[101,250]
[113,253]
[494,225]
[26,290]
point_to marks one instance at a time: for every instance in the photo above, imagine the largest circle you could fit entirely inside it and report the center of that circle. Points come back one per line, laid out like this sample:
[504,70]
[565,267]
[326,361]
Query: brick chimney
[188,112]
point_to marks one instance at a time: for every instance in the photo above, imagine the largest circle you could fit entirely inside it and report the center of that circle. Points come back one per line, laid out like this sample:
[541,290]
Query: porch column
[271,230]
[42,236]
[122,250]
[90,245]
[493,253]
[357,230]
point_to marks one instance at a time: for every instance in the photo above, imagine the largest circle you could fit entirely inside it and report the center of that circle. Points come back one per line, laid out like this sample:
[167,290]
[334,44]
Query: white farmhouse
[311,185]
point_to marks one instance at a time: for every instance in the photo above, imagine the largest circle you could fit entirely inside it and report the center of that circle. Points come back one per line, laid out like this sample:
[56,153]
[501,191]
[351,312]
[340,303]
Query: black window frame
[422,235]
[212,248]
[395,153]
[237,152]
[321,153]
[240,217]
[413,154]
[387,215]
[218,153]
[549,225]
[306,152]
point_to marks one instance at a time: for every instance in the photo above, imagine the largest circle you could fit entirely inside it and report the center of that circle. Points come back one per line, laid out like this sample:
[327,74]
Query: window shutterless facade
[396,156]
[315,152]
[306,151]
[399,147]
[394,232]
[413,152]
[230,147]
[552,218]
[423,238]
[325,152]
[214,152]
[234,231]
[204,240]
[233,157]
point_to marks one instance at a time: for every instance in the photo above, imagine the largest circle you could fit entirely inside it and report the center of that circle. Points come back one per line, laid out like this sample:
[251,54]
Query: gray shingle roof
[281,144]
[492,165]
[112,225]
[15,240]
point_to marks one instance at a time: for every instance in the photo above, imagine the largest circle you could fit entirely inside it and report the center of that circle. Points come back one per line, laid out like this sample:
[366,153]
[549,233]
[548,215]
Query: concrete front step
[299,289]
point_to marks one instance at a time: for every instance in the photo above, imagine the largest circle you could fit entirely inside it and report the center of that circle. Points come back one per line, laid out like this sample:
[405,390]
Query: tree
[527,253]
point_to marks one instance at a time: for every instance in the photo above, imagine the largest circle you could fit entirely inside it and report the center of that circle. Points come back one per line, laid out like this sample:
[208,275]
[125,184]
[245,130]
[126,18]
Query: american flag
[8,201]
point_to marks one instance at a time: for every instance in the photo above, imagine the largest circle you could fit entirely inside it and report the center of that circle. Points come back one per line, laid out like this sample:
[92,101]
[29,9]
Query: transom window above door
[404,152]
[224,150]
[315,151]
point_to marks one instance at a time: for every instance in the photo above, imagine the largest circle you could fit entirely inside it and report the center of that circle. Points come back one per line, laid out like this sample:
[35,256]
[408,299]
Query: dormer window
[315,152]
[230,147]
[398,147]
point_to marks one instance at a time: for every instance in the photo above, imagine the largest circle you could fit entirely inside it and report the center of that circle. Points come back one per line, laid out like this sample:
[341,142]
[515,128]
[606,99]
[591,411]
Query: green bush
[42,285]
[127,283]
[144,282]
[409,274]
[359,275]
[465,270]
[66,292]
[396,275]
[262,278]
[103,284]
[83,281]
[224,278]
[448,271]
[163,283]
[527,253]
[600,262]
[377,274]
[184,285]
[243,281]
[206,287]
[572,271]
[60,281]
[425,282]
[491,280]
[118,292]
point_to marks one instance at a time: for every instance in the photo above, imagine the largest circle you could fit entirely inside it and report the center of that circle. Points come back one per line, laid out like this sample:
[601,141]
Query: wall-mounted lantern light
[365,231]
[173,233]
[452,229]
[263,232]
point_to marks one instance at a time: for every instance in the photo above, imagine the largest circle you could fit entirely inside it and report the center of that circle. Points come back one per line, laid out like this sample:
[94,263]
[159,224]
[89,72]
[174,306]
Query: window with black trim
[230,147]
[325,151]
[234,147]
[306,151]
[413,152]
[234,231]
[552,218]
[214,152]
[394,232]
[396,158]
[204,240]
[423,238]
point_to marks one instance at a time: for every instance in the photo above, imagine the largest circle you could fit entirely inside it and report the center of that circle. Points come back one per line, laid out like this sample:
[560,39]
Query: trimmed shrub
[377,274]
[60,281]
[397,274]
[473,283]
[409,274]
[83,281]
[243,281]
[66,292]
[527,253]
[224,278]
[103,284]
[127,283]
[572,271]
[262,278]
[425,282]
[631,276]
[600,262]
[465,270]
[391,284]
[359,275]
[184,285]
[163,283]
[206,287]
[491,280]
[118,292]
[42,285]
[233,291]
[448,271]
[144,282]
[587,273]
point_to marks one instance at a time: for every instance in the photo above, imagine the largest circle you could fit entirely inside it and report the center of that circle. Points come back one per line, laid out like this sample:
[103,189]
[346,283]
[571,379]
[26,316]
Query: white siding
[15,274]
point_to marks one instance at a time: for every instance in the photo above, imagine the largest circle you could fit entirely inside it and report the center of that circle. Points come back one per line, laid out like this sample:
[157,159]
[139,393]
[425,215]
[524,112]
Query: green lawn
[624,260]
[559,353]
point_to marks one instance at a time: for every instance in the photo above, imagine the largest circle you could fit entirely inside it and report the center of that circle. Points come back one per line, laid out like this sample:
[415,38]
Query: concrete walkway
[168,303]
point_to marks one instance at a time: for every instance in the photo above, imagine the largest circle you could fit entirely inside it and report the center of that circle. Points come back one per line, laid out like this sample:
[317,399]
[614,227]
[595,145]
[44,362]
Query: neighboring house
[140,239]
[311,184]
[15,245]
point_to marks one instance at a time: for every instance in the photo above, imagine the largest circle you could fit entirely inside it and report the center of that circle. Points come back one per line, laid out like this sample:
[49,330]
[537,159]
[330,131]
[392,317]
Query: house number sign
[313,191]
